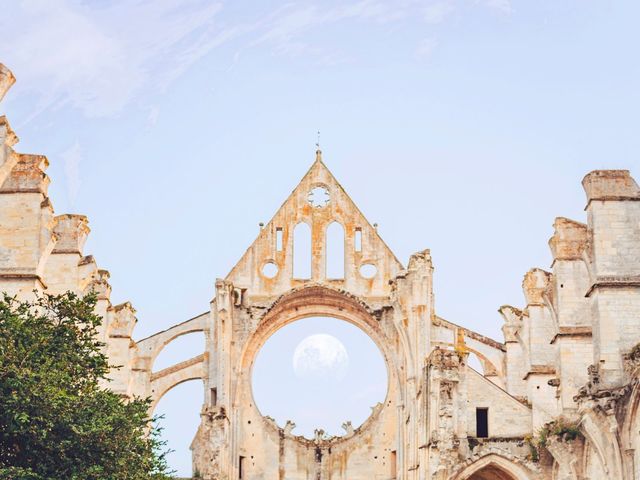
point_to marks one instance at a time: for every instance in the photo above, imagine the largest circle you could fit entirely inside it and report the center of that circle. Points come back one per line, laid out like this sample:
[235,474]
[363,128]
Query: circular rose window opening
[319,372]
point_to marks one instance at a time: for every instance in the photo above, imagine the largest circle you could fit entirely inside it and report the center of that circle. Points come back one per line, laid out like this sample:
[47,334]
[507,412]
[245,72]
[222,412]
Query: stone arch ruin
[493,467]
[558,397]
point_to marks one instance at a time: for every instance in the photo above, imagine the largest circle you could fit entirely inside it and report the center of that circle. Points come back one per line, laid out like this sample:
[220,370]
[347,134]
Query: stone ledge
[612,198]
[613,282]
[23,277]
[572,332]
[540,370]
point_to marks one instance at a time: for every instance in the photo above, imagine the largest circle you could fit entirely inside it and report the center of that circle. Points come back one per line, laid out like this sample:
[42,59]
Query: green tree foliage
[56,421]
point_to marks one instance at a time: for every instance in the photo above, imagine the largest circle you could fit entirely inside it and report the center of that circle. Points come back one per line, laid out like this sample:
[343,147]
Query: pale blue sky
[464,126]
[314,402]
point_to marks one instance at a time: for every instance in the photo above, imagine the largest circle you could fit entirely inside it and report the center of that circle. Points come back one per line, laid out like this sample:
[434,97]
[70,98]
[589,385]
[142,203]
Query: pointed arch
[334,258]
[493,466]
[302,251]
[601,441]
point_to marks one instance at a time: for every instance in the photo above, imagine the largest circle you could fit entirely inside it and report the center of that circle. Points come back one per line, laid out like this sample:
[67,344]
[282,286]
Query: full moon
[320,357]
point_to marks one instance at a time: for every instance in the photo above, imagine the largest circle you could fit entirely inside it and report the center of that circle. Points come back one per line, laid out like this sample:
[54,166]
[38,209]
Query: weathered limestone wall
[392,307]
[508,417]
[613,210]
[592,298]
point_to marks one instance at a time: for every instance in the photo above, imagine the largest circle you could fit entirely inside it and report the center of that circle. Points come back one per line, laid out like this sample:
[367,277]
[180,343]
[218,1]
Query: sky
[463,126]
[324,398]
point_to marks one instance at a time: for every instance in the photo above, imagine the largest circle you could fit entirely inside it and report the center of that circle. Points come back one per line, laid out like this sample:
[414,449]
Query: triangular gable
[318,211]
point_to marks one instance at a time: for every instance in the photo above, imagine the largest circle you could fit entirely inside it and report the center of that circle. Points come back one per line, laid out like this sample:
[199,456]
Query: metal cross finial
[318,151]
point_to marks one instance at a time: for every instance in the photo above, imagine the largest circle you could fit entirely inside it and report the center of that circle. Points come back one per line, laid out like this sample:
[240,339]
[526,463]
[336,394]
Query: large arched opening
[321,302]
[178,413]
[330,376]
[267,448]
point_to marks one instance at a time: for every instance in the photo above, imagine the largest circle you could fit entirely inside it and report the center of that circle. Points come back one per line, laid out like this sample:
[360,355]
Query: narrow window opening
[241,467]
[214,397]
[335,251]
[392,462]
[357,240]
[482,422]
[278,239]
[302,251]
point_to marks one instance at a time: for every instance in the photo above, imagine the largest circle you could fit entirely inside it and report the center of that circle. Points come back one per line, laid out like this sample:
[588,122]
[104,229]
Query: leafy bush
[56,422]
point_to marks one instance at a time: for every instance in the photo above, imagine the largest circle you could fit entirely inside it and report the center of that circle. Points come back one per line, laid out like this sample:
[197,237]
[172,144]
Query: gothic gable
[319,203]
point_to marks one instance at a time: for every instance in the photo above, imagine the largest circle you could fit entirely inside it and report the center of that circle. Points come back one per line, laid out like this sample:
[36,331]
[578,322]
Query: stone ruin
[558,397]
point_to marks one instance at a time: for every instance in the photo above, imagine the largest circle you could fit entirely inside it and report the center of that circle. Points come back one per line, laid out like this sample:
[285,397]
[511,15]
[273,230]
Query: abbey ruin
[558,397]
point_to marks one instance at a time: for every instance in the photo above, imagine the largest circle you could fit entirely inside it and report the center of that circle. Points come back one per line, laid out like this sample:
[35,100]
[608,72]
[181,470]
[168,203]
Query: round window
[368,270]
[270,269]
[319,372]
[319,197]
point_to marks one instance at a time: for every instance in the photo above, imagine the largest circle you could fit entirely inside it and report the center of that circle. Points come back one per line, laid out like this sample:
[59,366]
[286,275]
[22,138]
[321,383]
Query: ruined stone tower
[557,398]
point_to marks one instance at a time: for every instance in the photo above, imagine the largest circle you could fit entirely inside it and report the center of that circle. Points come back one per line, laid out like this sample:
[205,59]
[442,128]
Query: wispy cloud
[98,58]
[286,27]
[72,158]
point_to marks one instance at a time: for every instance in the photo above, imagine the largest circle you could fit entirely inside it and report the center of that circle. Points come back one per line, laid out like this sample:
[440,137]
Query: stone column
[413,301]
[447,420]
[542,354]
[516,363]
[613,208]
[120,345]
[570,308]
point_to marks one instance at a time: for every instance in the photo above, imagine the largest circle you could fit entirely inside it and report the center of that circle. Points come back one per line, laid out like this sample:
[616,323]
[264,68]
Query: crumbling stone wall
[561,392]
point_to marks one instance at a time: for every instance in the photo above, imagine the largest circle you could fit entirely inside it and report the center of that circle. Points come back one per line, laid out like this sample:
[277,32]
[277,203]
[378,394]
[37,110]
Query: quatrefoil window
[319,197]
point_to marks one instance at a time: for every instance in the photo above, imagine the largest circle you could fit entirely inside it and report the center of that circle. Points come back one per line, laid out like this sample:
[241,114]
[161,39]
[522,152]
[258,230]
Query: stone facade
[559,398]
